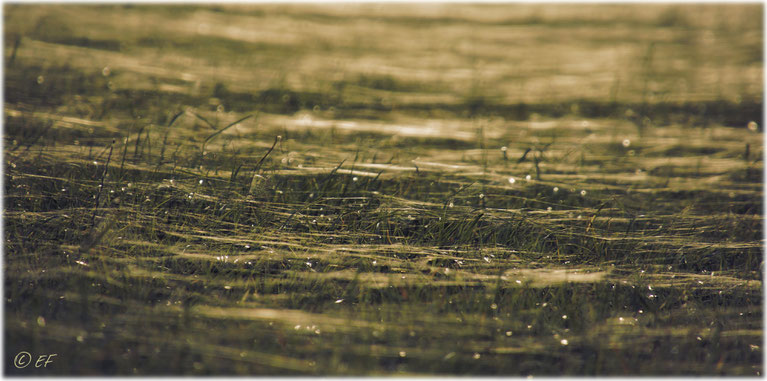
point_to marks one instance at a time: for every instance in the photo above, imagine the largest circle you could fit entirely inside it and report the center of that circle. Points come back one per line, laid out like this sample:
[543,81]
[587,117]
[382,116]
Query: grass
[160,222]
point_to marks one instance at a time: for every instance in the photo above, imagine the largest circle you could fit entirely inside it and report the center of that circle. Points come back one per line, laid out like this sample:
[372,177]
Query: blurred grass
[386,232]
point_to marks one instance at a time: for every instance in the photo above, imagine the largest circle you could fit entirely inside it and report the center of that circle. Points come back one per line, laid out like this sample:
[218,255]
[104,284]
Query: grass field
[368,189]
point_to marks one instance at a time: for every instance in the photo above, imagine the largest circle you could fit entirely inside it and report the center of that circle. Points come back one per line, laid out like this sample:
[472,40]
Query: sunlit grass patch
[260,212]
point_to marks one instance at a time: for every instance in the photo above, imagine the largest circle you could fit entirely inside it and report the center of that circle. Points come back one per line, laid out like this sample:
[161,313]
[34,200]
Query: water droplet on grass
[564,342]
[339,301]
[753,126]
[476,356]
[508,333]
[564,317]
[512,180]
[555,189]
[504,149]
[402,354]
[481,195]
[528,177]
[626,142]
[583,193]
[355,178]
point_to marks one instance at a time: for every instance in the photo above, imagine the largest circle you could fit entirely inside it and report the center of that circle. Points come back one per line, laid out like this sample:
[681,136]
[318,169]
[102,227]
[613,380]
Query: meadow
[383,189]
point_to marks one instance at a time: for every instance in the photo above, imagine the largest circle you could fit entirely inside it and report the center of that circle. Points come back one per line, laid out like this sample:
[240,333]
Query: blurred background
[453,58]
